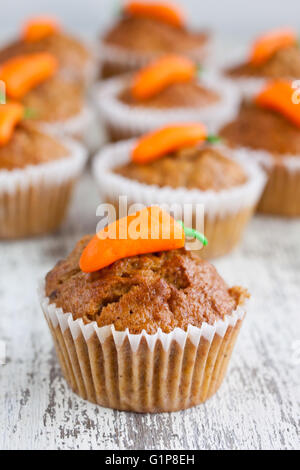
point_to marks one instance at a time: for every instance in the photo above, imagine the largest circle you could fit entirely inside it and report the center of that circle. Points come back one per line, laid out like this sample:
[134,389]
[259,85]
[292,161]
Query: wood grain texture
[256,408]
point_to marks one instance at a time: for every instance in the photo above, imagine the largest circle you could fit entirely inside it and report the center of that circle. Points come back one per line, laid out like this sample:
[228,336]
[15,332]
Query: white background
[234,18]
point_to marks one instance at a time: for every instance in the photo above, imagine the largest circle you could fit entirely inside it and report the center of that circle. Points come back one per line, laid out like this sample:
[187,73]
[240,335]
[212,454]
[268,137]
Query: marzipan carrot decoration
[158,11]
[267,45]
[39,28]
[167,70]
[278,96]
[10,115]
[148,231]
[167,139]
[25,72]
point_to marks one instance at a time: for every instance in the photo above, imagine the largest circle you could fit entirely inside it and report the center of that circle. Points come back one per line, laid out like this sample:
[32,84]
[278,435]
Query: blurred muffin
[144,32]
[168,90]
[268,129]
[37,175]
[44,34]
[55,104]
[152,332]
[222,181]
[274,55]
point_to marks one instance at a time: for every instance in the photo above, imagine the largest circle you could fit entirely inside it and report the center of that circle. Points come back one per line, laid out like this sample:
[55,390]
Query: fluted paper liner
[227,212]
[115,60]
[34,200]
[141,372]
[124,121]
[77,127]
[282,191]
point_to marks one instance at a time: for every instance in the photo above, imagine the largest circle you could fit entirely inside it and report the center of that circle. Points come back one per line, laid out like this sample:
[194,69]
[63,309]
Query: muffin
[274,55]
[190,172]
[37,175]
[44,34]
[149,332]
[55,104]
[168,90]
[270,136]
[144,32]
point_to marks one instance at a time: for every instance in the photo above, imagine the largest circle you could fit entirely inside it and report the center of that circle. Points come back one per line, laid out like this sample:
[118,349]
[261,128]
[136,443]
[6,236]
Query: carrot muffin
[168,90]
[275,55]
[144,32]
[43,34]
[144,326]
[268,128]
[56,104]
[37,174]
[177,165]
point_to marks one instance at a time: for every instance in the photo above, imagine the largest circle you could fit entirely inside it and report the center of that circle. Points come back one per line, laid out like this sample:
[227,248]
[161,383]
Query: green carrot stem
[213,139]
[192,233]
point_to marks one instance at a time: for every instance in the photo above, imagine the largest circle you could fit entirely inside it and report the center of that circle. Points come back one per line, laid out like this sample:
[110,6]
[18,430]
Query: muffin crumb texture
[178,95]
[145,35]
[29,146]
[146,292]
[262,129]
[285,63]
[203,168]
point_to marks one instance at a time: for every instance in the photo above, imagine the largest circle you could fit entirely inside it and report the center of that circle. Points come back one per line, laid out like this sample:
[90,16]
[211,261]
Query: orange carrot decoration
[22,73]
[278,96]
[148,231]
[10,115]
[167,139]
[160,11]
[39,28]
[266,46]
[155,77]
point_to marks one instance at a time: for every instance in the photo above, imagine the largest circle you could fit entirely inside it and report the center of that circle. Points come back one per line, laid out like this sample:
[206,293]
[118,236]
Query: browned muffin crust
[55,100]
[177,95]
[285,63]
[262,129]
[29,146]
[203,168]
[146,292]
[145,35]
[68,50]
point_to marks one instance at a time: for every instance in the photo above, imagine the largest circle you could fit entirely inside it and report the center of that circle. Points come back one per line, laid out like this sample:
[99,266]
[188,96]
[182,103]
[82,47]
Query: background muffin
[268,128]
[37,175]
[44,34]
[224,181]
[145,32]
[171,89]
[54,103]
[274,55]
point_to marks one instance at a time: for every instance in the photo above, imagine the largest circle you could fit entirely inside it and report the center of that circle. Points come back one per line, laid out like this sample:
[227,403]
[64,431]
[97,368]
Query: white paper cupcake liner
[125,60]
[77,127]
[141,372]
[219,203]
[135,120]
[34,200]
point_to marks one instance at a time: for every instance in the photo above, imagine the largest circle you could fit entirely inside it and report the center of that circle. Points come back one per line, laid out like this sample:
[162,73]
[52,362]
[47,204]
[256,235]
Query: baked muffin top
[163,290]
[146,35]
[285,63]
[189,94]
[29,146]
[68,50]
[262,129]
[203,168]
[55,99]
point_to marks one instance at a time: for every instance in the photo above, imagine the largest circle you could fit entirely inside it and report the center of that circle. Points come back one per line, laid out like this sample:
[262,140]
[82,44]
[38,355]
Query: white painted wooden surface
[257,406]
